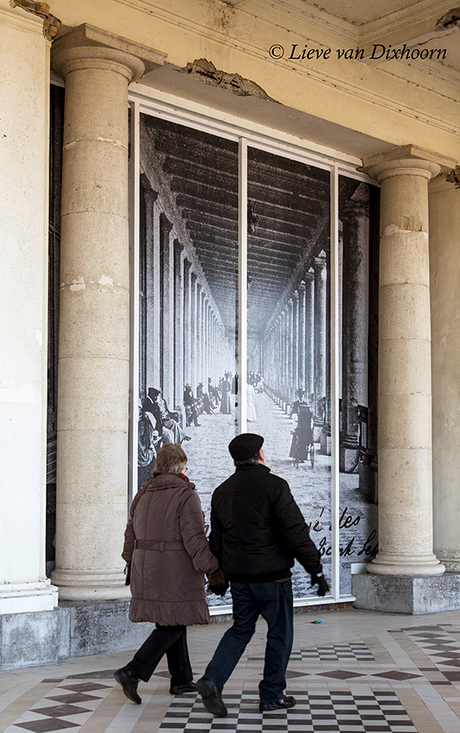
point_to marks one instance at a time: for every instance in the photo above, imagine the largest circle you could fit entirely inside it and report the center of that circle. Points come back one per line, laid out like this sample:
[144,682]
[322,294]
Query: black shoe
[212,699]
[182,689]
[129,681]
[187,437]
[287,701]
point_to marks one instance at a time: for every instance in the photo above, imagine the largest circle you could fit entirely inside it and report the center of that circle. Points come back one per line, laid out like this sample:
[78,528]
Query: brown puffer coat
[167,548]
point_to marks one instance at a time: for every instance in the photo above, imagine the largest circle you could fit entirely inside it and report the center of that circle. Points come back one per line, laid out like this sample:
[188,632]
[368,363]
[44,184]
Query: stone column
[199,336]
[355,219]
[92,445]
[167,310]
[289,344]
[295,343]
[320,338]
[302,343]
[152,303]
[310,336]
[404,401]
[187,326]
[24,104]
[193,331]
[444,203]
[284,356]
[178,325]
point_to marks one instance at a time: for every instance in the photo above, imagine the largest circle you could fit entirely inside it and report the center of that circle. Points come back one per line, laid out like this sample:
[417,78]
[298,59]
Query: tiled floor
[355,672]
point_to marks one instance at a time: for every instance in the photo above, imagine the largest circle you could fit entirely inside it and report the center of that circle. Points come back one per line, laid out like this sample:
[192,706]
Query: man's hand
[323,585]
[218,583]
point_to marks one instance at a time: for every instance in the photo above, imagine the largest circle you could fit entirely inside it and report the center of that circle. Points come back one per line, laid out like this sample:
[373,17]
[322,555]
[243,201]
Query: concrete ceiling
[360,12]
[399,22]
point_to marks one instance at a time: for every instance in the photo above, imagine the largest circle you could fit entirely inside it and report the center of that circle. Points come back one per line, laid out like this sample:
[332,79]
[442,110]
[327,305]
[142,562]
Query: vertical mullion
[134,296]
[335,384]
[242,281]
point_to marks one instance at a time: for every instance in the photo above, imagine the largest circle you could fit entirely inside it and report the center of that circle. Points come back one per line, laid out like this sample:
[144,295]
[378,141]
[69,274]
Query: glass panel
[288,392]
[358,348]
[188,299]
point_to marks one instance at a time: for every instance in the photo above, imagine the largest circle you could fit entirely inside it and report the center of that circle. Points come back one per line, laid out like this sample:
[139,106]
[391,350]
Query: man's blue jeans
[272,601]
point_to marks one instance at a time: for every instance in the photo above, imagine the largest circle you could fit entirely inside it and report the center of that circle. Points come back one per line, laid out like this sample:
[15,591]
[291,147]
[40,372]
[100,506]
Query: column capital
[357,205]
[87,47]
[406,160]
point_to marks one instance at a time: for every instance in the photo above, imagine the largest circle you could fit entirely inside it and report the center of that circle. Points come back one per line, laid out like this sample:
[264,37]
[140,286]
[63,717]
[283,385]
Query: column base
[412,595]
[90,586]
[451,560]
[70,630]
[405,565]
[28,597]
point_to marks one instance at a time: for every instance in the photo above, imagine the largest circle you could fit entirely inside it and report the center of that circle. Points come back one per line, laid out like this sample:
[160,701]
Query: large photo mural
[189,385]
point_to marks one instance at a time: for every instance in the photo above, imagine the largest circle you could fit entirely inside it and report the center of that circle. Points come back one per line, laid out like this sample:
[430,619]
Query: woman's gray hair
[170,459]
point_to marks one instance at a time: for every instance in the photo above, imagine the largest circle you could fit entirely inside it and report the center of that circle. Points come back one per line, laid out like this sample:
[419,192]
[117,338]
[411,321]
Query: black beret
[245,445]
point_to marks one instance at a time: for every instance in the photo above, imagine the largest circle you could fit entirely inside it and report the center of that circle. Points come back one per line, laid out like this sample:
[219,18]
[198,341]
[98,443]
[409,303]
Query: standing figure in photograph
[251,403]
[302,435]
[168,555]
[257,531]
[225,405]
[213,393]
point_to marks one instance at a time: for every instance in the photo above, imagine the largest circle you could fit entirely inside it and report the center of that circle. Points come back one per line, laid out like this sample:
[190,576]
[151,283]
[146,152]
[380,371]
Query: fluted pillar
[92,450]
[404,401]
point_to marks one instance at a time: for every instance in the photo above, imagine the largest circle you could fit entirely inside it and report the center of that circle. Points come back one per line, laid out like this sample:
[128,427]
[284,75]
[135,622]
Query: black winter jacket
[257,529]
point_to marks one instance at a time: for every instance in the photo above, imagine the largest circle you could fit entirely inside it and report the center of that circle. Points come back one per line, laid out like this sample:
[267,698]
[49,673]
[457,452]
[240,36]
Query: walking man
[257,531]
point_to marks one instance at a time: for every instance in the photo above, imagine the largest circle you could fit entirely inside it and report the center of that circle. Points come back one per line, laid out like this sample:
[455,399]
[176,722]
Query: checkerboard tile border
[322,712]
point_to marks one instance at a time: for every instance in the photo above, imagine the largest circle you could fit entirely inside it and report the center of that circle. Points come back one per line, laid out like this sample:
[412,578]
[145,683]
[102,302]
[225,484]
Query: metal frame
[144,100]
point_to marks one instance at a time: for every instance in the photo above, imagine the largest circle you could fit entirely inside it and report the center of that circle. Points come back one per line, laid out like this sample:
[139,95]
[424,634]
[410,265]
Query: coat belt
[160,546]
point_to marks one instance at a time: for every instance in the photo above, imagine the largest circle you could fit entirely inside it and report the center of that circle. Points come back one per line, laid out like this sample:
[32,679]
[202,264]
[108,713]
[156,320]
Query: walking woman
[168,554]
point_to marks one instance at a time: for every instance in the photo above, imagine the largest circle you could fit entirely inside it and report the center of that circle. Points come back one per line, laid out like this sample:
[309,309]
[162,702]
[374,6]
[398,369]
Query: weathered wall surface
[394,101]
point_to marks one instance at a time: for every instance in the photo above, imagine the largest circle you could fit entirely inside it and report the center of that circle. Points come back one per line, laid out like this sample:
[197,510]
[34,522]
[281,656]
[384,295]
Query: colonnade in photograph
[294,353]
[182,337]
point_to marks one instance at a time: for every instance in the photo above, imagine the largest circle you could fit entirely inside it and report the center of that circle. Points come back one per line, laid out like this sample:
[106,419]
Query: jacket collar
[253,467]
[167,481]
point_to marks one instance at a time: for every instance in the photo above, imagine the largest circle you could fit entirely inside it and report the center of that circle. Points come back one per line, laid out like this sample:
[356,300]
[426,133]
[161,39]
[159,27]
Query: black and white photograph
[189,369]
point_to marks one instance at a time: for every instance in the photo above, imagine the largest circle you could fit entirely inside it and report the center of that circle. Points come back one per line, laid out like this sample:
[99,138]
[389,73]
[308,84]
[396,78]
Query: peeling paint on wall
[410,224]
[51,24]
[78,284]
[207,72]
[105,280]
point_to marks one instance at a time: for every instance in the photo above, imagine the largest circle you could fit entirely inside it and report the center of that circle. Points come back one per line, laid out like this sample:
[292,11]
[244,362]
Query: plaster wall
[445,319]
[24,60]
[395,101]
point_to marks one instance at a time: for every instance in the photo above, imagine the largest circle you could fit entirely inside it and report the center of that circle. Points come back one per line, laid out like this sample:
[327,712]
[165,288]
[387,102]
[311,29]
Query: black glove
[323,585]
[218,583]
